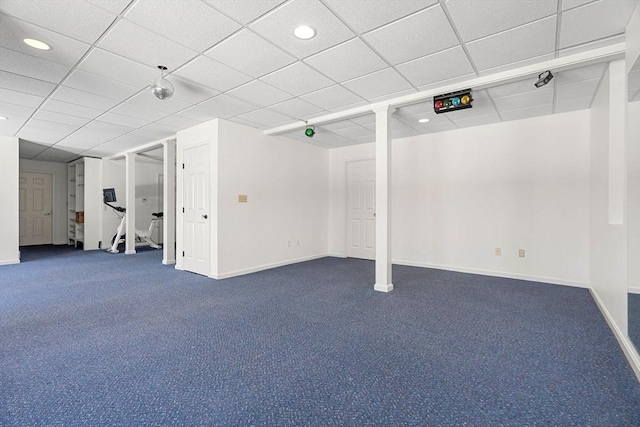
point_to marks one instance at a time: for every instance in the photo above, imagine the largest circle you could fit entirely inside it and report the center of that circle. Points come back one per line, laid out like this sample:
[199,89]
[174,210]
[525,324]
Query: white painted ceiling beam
[604,54]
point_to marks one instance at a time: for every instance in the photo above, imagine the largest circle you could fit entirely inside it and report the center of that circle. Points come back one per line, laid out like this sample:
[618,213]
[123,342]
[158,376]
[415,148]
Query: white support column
[383,198]
[130,180]
[169,206]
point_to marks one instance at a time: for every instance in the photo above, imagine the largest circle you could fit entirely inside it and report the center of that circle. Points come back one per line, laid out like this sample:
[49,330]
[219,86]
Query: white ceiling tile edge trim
[604,54]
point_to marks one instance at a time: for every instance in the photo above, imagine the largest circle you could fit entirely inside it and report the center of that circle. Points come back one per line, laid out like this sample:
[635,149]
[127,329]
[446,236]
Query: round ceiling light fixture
[162,88]
[304,32]
[37,44]
[424,120]
[3,118]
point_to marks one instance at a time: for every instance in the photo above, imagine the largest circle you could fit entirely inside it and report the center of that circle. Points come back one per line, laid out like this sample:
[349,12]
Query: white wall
[458,195]
[113,176]
[59,184]
[286,183]
[608,256]
[9,172]
[633,187]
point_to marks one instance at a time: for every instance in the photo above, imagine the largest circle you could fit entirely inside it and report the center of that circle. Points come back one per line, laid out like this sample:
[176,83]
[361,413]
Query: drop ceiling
[239,60]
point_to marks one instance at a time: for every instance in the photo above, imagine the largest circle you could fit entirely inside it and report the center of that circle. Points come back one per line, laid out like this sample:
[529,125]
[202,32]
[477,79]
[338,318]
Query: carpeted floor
[88,338]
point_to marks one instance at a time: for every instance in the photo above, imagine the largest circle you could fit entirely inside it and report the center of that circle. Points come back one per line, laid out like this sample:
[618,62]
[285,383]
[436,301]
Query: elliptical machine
[142,237]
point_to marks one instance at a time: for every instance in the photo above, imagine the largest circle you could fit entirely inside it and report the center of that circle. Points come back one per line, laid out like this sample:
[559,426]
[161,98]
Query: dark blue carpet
[634,319]
[88,338]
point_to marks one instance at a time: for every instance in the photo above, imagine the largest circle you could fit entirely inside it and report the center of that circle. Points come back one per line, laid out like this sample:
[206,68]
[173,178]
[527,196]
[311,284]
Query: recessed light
[304,32]
[424,120]
[37,44]
[3,118]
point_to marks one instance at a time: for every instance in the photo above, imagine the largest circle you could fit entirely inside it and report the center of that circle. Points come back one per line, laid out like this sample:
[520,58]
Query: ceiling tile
[197,113]
[87,82]
[12,125]
[478,109]
[115,130]
[24,84]
[529,99]
[258,57]
[205,28]
[113,6]
[48,136]
[332,97]
[595,21]
[404,133]
[418,35]
[363,17]
[65,50]
[147,100]
[260,93]
[581,89]
[584,47]
[341,124]
[154,132]
[135,110]
[119,119]
[296,108]
[189,92]
[278,27]
[297,79]
[28,149]
[146,47]
[61,107]
[244,122]
[205,71]
[364,119]
[86,99]
[266,118]
[52,116]
[517,64]
[244,11]
[77,19]
[354,132]
[84,139]
[114,67]
[426,113]
[579,74]
[573,105]
[570,4]
[347,61]
[447,82]
[474,20]
[45,124]
[393,95]
[378,84]
[10,110]
[514,88]
[525,113]
[437,67]
[224,106]
[30,66]
[177,122]
[514,45]
[19,98]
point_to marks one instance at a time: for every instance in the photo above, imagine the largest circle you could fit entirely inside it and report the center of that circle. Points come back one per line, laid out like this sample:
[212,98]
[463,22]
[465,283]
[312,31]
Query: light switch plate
[242,198]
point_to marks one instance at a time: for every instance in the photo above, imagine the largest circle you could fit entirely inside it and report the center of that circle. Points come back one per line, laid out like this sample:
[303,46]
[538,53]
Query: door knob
[205,216]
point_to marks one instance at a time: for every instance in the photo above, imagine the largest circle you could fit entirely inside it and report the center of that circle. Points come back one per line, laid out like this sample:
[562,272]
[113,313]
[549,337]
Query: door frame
[345,200]
[54,205]
[180,149]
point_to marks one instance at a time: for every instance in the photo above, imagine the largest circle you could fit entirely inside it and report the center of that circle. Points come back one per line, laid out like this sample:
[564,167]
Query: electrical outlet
[498,251]
[521,253]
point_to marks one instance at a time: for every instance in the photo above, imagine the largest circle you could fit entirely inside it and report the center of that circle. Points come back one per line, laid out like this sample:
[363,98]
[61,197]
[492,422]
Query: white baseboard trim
[266,266]
[633,290]
[506,275]
[336,255]
[168,261]
[10,261]
[383,288]
[627,346]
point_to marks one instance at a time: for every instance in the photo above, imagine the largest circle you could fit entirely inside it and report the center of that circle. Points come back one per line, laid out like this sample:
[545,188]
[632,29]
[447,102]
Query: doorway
[35,212]
[361,203]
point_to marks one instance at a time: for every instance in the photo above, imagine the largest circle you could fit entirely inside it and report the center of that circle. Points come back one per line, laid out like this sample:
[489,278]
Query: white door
[35,209]
[361,221]
[196,195]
